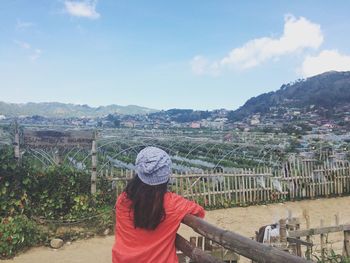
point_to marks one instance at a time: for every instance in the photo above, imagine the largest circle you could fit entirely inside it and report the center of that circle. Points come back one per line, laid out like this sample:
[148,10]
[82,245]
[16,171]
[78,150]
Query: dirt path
[242,220]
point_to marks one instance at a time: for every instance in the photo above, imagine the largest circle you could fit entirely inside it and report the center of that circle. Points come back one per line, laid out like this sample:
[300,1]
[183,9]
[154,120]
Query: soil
[241,220]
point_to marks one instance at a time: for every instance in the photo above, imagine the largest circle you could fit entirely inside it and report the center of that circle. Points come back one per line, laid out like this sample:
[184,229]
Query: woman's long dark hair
[147,203]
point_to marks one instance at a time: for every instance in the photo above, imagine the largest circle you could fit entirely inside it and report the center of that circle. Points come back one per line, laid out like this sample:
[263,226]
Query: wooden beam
[299,241]
[318,231]
[240,244]
[194,253]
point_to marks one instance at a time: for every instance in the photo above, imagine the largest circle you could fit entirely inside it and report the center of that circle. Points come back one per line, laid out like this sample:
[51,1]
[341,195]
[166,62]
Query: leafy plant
[18,233]
[54,193]
[331,257]
[14,184]
[57,193]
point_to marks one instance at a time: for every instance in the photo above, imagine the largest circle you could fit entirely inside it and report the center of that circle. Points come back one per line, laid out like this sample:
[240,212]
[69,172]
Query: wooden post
[193,241]
[200,242]
[346,249]
[176,183]
[205,194]
[16,144]
[249,178]
[194,253]
[208,188]
[190,187]
[322,243]
[243,189]
[207,244]
[308,238]
[181,184]
[213,183]
[293,246]
[237,199]
[94,165]
[283,231]
[298,247]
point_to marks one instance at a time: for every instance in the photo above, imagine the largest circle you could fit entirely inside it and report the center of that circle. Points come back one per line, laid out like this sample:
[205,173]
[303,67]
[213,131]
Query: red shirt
[146,246]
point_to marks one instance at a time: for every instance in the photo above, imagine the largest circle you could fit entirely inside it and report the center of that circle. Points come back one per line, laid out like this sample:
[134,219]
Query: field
[191,150]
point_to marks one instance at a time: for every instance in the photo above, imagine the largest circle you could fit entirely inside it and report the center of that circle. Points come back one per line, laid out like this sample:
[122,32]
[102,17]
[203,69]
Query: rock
[68,243]
[56,243]
[106,232]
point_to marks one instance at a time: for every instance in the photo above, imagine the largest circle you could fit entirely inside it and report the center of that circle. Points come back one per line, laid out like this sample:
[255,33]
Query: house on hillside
[195,125]
[255,120]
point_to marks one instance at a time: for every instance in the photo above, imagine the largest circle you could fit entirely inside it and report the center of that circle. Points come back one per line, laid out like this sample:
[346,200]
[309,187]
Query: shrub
[15,182]
[58,193]
[60,190]
[18,233]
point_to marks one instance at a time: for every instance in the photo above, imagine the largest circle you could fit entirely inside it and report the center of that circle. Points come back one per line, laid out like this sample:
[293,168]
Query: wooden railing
[244,246]
[323,231]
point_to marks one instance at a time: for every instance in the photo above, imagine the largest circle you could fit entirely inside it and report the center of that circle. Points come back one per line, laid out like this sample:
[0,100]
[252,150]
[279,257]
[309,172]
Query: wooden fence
[244,246]
[290,240]
[297,179]
[313,243]
[295,235]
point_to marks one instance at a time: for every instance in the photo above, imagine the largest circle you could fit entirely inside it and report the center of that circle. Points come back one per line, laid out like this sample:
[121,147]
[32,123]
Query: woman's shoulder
[171,196]
[173,199]
[180,206]
[122,198]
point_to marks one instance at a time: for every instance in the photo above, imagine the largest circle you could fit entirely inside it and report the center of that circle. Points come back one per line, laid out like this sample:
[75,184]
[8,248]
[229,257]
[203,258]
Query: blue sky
[200,54]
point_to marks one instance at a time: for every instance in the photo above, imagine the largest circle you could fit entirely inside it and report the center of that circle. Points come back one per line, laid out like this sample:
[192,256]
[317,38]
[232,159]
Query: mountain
[63,110]
[327,90]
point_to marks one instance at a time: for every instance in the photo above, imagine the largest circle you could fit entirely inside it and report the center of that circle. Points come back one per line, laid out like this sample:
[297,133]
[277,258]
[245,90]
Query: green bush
[15,183]
[56,192]
[59,193]
[18,233]
[64,193]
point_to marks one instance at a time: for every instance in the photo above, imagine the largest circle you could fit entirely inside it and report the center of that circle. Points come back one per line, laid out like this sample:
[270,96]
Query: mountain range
[327,91]
[64,110]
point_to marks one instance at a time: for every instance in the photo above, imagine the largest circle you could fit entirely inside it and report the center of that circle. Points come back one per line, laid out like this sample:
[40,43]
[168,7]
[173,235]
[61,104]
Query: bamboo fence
[297,179]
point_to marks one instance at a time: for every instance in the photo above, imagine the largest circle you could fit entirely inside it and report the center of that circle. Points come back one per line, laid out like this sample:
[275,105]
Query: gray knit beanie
[153,166]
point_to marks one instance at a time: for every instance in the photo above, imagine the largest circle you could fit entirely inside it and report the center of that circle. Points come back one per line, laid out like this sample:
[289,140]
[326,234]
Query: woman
[147,215]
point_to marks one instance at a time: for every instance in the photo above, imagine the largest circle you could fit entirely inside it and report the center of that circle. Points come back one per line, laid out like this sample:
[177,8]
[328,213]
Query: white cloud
[199,65]
[21,44]
[33,53]
[298,34]
[85,8]
[326,60]
[36,54]
[21,25]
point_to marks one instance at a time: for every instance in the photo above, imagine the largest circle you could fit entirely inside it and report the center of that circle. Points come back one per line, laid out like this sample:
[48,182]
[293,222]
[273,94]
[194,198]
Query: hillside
[327,90]
[63,110]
